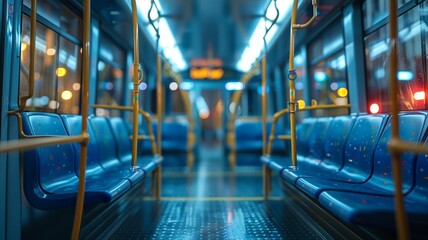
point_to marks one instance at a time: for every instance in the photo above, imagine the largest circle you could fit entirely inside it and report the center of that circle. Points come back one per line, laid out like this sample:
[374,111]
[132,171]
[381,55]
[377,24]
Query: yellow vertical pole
[159,101]
[160,107]
[188,109]
[32,54]
[291,78]
[264,110]
[400,213]
[137,80]
[85,100]
[266,170]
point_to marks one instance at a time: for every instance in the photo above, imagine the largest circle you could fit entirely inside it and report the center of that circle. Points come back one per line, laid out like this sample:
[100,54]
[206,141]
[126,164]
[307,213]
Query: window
[328,71]
[111,82]
[376,11]
[57,69]
[59,16]
[411,74]
[300,82]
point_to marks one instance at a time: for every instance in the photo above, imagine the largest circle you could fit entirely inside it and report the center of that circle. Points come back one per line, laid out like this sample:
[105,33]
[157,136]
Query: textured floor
[215,203]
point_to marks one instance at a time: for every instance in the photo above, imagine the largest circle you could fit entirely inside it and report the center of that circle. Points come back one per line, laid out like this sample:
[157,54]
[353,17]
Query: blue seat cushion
[279,163]
[266,159]
[100,191]
[377,210]
[372,210]
[149,163]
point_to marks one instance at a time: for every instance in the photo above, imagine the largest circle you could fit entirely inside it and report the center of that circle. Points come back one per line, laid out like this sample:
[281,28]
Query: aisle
[215,203]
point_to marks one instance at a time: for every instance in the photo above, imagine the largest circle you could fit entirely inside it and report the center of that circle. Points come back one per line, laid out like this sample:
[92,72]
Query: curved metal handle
[140,75]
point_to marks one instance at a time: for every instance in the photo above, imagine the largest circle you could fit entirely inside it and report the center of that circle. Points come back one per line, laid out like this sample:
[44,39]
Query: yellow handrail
[400,212]
[191,138]
[159,101]
[264,102]
[266,171]
[292,75]
[231,123]
[138,77]
[31,143]
[85,110]
[32,55]
[280,113]
[23,100]
[145,115]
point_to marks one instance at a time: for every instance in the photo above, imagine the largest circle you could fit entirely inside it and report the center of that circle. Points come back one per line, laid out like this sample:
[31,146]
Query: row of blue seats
[51,173]
[174,135]
[344,164]
[175,145]
[248,136]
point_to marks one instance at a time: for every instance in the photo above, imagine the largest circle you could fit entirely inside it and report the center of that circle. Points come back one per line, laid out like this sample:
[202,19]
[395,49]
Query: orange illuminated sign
[206,73]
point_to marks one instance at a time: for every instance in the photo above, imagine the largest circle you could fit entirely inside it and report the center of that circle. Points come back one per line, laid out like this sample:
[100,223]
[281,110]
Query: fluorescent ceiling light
[167,44]
[256,43]
[234,86]
[186,86]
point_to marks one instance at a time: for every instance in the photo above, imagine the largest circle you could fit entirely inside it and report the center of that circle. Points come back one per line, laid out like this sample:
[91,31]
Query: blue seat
[378,211]
[358,152]
[123,141]
[334,144]
[249,141]
[73,125]
[380,181]
[279,162]
[174,136]
[248,136]
[174,144]
[108,154]
[313,153]
[50,180]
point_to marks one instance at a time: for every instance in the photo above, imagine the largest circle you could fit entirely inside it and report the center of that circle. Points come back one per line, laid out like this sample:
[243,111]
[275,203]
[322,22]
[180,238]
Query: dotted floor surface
[215,220]
[214,202]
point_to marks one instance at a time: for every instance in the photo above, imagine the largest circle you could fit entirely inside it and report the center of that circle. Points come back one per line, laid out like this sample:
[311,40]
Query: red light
[419,95]
[374,108]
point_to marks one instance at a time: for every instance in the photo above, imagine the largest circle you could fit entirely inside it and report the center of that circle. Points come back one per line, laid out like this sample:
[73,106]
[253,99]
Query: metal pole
[400,212]
[137,80]
[292,76]
[159,100]
[292,97]
[264,110]
[85,99]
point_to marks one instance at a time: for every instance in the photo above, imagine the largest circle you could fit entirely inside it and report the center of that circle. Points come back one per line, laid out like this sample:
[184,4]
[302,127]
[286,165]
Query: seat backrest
[317,137]
[303,132]
[360,146]
[47,166]
[335,139]
[412,127]
[248,130]
[421,188]
[73,124]
[122,135]
[105,140]
[176,130]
